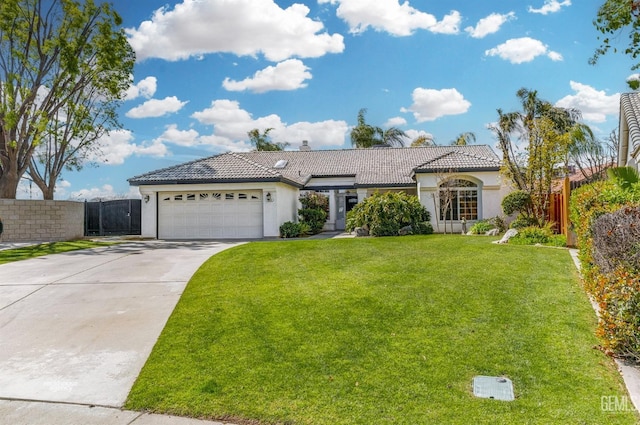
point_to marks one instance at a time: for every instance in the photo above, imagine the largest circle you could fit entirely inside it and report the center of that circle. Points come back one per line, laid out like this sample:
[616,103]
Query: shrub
[313,213]
[499,222]
[423,228]
[616,240]
[533,235]
[523,221]
[517,201]
[290,229]
[481,227]
[385,214]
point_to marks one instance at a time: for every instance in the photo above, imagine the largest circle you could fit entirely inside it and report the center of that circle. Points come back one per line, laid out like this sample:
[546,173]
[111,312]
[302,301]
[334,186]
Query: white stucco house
[250,194]
[629,144]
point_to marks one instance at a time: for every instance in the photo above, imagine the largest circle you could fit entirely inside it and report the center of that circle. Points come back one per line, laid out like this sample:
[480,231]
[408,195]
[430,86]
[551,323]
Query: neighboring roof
[630,107]
[373,167]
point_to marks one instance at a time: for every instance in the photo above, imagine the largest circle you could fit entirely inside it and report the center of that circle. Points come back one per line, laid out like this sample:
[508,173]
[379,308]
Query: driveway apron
[78,327]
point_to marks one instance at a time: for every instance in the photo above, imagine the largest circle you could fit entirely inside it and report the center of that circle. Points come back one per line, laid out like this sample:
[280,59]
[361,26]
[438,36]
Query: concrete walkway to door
[76,328]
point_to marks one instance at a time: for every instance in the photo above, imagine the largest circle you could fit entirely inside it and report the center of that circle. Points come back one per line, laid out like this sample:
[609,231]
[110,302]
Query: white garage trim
[211,214]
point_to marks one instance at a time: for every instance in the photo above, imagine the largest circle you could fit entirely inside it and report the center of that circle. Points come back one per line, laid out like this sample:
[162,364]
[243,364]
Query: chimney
[305,146]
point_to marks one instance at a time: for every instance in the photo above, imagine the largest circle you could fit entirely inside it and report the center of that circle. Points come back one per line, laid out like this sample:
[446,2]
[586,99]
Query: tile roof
[369,167]
[630,104]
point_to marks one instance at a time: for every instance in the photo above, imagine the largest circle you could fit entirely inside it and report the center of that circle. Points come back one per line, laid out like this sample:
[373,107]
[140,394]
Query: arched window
[458,200]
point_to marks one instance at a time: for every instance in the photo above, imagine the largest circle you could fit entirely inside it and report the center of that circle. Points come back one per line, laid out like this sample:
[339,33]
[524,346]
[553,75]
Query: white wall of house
[491,190]
[287,209]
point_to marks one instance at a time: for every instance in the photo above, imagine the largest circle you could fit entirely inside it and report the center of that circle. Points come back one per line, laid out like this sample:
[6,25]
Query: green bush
[290,229]
[314,211]
[517,201]
[603,216]
[499,222]
[481,227]
[523,221]
[386,213]
[423,228]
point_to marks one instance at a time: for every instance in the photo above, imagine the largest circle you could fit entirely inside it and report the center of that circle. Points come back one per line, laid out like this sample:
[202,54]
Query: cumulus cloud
[550,6]
[145,88]
[392,17]
[156,108]
[489,25]
[395,122]
[118,145]
[595,105]
[244,27]
[231,123]
[520,50]
[431,104]
[288,75]
[178,137]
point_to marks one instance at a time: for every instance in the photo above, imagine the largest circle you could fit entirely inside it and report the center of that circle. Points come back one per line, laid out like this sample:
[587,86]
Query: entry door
[345,204]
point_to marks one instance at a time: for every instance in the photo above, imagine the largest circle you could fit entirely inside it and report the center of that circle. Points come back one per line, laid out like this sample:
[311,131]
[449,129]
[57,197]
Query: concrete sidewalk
[76,329]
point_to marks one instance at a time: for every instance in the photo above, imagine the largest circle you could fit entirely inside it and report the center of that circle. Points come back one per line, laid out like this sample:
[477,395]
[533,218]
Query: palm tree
[364,135]
[464,139]
[423,140]
[262,142]
[625,177]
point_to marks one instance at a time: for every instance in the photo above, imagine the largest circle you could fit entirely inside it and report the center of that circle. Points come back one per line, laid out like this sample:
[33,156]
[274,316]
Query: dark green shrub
[386,213]
[424,228]
[313,213]
[290,229]
[481,227]
[523,221]
[499,222]
[517,201]
[532,235]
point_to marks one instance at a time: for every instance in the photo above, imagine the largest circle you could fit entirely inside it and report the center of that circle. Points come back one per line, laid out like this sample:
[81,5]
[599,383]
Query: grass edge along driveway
[47,248]
[381,330]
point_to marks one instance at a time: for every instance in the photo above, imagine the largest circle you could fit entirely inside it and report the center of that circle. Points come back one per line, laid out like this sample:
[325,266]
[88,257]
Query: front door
[345,203]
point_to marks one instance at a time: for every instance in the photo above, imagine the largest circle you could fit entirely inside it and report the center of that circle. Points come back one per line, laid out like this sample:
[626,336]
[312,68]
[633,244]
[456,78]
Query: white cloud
[242,27]
[231,124]
[392,17]
[145,88]
[430,104]
[520,50]
[489,25]
[179,137]
[595,105]
[104,192]
[550,6]
[288,75]
[156,108]
[118,145]
[395,122]
[414,134]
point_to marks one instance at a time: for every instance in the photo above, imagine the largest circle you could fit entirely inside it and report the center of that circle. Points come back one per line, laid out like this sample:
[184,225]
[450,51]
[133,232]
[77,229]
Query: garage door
[210,215]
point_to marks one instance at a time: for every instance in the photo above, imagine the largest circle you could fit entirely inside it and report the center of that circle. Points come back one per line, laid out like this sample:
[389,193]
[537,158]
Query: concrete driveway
[77,327]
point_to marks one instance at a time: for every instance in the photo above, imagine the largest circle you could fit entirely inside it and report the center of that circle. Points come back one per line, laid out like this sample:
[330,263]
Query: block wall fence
[38,220]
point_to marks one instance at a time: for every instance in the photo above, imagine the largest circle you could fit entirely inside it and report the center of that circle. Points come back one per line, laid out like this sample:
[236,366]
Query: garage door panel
[210,215]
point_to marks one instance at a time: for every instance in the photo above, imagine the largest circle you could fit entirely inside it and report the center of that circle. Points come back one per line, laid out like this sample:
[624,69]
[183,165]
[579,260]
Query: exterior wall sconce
[269,198]
[146,198]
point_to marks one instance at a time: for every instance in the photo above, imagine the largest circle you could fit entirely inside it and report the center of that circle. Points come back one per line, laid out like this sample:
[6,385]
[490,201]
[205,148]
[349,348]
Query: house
[629,144]
[250,194]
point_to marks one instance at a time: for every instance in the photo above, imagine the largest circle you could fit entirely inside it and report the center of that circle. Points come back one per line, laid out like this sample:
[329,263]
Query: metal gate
[120,217]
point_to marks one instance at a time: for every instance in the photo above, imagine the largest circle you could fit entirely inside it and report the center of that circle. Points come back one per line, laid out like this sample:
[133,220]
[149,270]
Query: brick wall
[26,220]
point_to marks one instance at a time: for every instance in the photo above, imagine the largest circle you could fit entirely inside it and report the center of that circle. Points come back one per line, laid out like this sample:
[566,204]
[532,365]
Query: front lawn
[382,331]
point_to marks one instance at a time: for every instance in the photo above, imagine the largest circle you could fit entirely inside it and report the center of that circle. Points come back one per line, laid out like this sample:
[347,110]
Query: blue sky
[208,71]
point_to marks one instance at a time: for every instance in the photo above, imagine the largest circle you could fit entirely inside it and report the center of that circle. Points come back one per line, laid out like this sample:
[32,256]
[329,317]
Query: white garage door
[210,215]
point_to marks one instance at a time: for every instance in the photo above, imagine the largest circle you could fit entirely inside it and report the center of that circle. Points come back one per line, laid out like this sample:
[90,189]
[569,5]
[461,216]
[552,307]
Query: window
[228,196]
[191,197]
[242,196]
[458,200]
[216,196]
[177,198]
[204,196]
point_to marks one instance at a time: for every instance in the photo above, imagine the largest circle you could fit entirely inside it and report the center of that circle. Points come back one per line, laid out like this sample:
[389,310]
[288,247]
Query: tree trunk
[9,184]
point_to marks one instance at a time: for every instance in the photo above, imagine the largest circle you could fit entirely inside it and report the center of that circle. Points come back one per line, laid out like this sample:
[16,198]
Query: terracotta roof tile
[370,167]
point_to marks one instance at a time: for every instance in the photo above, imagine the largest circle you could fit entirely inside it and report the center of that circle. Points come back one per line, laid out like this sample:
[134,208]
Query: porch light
[146,198]
[269,197]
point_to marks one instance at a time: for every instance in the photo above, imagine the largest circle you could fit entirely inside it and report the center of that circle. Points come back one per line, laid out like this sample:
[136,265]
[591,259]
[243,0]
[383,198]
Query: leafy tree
[364,135]
[262,142]
[545,131]
[464,139]
[614,17]
[64,66]
[590,155]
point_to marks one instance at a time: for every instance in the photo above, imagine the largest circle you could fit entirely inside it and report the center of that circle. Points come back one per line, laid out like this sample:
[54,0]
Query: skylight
[281,163]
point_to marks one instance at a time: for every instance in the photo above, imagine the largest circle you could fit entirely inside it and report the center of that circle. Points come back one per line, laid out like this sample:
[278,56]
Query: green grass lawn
[382,331]
[24,253]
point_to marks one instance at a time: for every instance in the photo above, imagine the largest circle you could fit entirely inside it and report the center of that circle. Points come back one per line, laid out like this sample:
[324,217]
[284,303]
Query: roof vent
[305,146]
[281,164]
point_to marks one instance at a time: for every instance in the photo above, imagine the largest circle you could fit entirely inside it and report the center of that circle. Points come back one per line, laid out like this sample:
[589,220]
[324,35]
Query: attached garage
[210,215]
